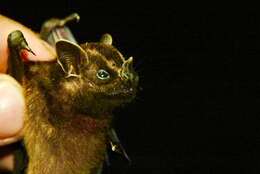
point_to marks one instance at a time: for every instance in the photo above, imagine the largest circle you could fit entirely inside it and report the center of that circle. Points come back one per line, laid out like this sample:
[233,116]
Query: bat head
[93,78]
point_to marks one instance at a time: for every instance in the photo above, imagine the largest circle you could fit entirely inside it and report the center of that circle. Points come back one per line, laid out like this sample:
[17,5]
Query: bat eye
[103,74]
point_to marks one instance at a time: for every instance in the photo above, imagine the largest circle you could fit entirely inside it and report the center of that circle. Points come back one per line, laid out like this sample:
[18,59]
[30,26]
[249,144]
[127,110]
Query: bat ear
[106,39]
[70,56]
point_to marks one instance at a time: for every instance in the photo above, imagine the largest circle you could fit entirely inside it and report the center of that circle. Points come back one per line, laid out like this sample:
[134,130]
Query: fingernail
[11,107]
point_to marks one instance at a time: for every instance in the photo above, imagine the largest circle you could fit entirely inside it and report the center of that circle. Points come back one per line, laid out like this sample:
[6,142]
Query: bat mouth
[128,93]
[121,92]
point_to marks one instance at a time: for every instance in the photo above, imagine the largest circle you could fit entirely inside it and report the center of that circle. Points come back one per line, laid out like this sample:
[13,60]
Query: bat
[70,101]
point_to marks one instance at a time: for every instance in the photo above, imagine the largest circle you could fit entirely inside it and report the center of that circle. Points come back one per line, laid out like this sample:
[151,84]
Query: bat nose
[126,75]
[127,69]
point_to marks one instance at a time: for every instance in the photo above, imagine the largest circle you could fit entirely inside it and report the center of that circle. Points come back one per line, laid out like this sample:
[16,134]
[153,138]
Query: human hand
[12,104]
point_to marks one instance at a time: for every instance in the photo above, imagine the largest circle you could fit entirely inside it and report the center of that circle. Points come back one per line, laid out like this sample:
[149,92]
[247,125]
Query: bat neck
[82,141]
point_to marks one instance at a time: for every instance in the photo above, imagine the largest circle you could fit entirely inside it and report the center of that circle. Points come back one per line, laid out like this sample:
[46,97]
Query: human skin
[11,94]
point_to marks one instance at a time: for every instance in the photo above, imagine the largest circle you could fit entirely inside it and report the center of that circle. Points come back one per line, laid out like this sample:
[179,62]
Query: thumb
[12,106]
[43,51]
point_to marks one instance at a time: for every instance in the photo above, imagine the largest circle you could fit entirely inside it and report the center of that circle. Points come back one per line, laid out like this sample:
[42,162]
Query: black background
[197,110]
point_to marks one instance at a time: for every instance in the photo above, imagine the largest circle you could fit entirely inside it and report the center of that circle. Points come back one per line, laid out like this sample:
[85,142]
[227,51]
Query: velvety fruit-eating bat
[70,100]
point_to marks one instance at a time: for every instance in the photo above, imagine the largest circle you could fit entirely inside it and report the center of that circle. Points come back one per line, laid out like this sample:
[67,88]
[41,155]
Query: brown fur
[67,118]
[75,147]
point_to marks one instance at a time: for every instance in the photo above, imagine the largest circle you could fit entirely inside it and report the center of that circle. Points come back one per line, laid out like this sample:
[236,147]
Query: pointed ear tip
[64,42]
[61,41]
[107,34]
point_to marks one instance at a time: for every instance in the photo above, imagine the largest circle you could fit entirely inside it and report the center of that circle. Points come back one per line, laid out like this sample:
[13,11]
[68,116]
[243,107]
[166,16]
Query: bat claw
[116,146]
[26,47]
[17,41]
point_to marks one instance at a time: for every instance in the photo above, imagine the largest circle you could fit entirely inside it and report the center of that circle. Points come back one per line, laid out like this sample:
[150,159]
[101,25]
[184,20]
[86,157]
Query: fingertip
[12,107]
